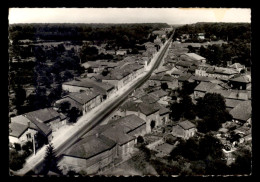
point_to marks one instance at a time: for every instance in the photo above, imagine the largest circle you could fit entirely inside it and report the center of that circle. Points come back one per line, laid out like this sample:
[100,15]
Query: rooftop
[90,146]
[242,111]
[83,97]
[206,86]
[195,56]
[186,125]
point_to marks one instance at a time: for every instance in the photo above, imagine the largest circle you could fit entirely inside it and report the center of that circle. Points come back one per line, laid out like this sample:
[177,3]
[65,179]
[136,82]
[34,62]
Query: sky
[128,15]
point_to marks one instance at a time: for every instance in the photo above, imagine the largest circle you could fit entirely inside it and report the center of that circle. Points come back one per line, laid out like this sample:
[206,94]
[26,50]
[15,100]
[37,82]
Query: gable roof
[83,97]
[206,86]
[242,111]
[90,146]
[145,108]
[159,93]
[232,102]
[17,129]
[195,56]
[186,125]
[43,115]
[241,79]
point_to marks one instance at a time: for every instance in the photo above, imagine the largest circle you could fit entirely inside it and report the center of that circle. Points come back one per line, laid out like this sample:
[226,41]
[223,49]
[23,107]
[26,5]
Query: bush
[17,146]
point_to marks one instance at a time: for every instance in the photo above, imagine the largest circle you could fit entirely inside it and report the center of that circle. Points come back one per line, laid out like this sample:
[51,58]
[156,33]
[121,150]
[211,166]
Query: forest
[237,35]
[218,31]
[75,32]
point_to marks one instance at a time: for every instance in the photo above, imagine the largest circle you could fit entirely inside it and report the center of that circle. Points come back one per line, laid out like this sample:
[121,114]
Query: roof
[164,148]
[202,78]
[236,66]
[90,146]
[163,110]
[43,115]
[241,79]
[195,56]
[145,108]
[184,63]
[232,103]
[161,69]
[150,98]
[184,77]
[206,86]
[159,93]
[88,83]
[242,111]
[83,97]
[186,125]
[17,129]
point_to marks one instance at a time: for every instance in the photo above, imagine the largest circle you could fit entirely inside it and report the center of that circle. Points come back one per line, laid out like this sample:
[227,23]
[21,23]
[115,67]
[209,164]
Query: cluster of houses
[83,93]
[146,111]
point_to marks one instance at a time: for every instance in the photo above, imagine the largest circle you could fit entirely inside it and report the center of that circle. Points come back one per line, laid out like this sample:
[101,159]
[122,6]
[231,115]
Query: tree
[164,86]
[73,114]
[64,107]
[16,160]
[20,96]
[140,139]
[50,160]
[212,109]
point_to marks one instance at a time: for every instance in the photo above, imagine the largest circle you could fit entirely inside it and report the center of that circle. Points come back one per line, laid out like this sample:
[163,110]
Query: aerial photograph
[129,92]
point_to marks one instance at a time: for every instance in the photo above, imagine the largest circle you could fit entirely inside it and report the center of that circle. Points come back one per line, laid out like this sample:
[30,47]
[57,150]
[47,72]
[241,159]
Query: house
[157,80]
[162,95]
[242,113]
[121,52]
[184,129]
[240,82]
[237,66]
[90,154]
[199,79]
[196,57]
[112,52]
[84,101]
[203,88]
[24,127]
[121,76]
[89,85]
[100,147]
[163,149]
[175,72]
[186,77]
[148,112]
[201,36]
[232,103]
[49,117]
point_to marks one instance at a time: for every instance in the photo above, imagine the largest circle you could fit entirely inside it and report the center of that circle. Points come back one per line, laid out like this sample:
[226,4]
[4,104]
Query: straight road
[98,117]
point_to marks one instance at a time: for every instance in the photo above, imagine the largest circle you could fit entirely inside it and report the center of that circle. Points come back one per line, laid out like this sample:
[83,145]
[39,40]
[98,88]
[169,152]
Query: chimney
[97,134]
[29,124]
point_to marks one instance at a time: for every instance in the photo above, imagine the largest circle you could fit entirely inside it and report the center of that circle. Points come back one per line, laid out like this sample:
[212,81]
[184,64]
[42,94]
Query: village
[145,118]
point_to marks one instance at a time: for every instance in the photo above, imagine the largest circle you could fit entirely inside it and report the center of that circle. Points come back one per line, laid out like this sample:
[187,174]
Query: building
[242,113]
[90,154]
[240,82]
[24,127]
[196,57]
[100,147]
[89,85]
[84,101]
[148,112]
[184,129]
[123,75]
[121,52]
[203,88]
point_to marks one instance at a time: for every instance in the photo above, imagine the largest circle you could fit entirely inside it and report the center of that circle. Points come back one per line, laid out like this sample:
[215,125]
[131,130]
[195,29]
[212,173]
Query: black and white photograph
[129,92]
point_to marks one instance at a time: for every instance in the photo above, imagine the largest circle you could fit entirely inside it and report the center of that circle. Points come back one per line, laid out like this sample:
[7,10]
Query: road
[92,119]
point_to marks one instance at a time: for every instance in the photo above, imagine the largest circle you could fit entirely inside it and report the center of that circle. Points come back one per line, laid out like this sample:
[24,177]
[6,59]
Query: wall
[71,88]
[91,104]
[91,165]
[198,94]
[23,138]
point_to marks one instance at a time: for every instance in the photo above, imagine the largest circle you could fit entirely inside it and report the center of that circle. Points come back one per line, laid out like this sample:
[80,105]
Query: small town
[130,99]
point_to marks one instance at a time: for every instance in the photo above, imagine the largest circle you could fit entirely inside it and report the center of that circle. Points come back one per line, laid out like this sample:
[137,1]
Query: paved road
[99,116]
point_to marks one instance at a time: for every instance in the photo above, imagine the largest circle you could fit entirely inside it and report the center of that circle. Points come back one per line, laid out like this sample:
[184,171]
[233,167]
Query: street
[94,117]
